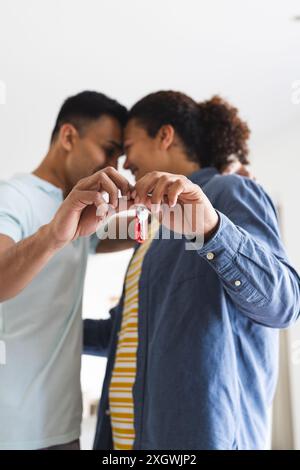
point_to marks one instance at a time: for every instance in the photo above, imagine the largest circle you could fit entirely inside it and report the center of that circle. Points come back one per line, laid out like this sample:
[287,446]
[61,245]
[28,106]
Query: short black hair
[87,106]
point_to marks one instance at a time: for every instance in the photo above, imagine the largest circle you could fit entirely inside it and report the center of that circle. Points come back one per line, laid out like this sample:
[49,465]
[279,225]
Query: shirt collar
[41,183]
[201,177]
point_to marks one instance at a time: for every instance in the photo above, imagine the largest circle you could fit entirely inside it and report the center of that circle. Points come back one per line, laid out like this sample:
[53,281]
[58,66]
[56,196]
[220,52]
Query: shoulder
[232,184]
[13,189]
[235,189]
[242,200]
[14,200]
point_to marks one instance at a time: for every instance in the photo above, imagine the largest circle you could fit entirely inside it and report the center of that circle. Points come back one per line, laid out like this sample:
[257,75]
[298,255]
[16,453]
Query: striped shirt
[124,371]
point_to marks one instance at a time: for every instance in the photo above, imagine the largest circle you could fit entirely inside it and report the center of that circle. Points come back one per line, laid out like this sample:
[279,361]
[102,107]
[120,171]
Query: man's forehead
[106,123]
[106,127]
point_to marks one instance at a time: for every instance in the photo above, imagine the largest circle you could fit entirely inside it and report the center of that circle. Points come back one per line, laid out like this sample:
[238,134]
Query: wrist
[47,232]
[211,226]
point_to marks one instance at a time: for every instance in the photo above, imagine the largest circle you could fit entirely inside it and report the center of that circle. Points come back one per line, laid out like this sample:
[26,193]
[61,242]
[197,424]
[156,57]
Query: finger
[95,181]
[174,190]
[81,199]
[107,185]
[102,207]
[161,188]
[92,182]
[145,186]
[120,181]
[125,205]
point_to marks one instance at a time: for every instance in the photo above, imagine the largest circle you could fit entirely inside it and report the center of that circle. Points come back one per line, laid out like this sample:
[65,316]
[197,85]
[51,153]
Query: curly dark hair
[211,132]
[225,133]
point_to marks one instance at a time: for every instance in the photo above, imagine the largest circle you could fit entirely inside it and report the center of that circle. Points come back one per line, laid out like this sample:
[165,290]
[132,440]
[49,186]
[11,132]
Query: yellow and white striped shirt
[124,371]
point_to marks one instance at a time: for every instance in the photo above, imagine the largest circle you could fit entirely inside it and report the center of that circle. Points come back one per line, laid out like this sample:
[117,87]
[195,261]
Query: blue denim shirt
[208,345]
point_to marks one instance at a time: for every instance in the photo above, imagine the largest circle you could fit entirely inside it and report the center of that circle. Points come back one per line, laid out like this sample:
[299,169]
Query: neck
[52,170]
[180,165]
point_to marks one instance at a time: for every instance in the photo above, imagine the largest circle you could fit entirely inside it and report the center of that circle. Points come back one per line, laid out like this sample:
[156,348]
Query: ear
[166,135]
[68,134]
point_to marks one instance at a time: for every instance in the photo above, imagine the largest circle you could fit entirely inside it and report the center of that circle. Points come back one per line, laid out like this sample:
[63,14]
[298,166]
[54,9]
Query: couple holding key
[192,346]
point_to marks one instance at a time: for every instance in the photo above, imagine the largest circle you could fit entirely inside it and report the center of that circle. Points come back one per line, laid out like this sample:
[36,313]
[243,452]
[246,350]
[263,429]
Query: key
[141,224]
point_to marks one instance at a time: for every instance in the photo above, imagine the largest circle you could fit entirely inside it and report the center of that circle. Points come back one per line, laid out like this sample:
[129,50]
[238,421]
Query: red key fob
[138,231]
[141,219]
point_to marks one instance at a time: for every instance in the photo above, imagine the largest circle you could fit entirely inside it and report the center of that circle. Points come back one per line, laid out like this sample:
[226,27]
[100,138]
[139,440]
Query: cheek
[81,164]
[91,159]
[99,157]
[73,163]
[151,159]
[144,157]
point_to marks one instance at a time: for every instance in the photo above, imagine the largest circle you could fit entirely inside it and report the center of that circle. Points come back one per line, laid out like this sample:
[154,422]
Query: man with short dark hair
[46,218]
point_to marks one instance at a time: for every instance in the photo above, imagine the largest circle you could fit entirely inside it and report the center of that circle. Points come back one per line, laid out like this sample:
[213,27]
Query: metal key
[141,224]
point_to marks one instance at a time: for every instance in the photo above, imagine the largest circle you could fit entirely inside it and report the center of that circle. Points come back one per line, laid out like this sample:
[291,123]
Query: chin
[139,174]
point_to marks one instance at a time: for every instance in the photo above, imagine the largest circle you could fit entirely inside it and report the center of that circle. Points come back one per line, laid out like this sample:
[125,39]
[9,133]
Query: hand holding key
[158,188]
[79,214]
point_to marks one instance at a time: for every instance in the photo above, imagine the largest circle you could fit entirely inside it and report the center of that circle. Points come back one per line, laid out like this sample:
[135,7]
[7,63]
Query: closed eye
[110,152]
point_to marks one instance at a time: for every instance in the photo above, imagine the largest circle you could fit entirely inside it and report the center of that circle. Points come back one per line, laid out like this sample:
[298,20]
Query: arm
[21,261]
[242,243]
[248,256]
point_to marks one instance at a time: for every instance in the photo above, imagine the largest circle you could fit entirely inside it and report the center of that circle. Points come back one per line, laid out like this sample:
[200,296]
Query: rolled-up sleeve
[248,257]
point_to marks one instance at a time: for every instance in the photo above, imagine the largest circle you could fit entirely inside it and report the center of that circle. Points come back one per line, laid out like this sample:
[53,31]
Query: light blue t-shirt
[40,328]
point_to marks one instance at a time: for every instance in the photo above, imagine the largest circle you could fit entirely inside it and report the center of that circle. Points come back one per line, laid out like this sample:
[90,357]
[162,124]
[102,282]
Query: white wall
[248,51]
[277,165]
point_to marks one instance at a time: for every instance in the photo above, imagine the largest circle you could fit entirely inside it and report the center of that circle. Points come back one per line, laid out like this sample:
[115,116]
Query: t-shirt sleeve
[13,212]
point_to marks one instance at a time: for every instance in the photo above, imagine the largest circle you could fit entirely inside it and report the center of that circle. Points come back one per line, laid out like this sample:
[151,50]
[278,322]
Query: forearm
[76,217]
[263,286]
[22,261]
